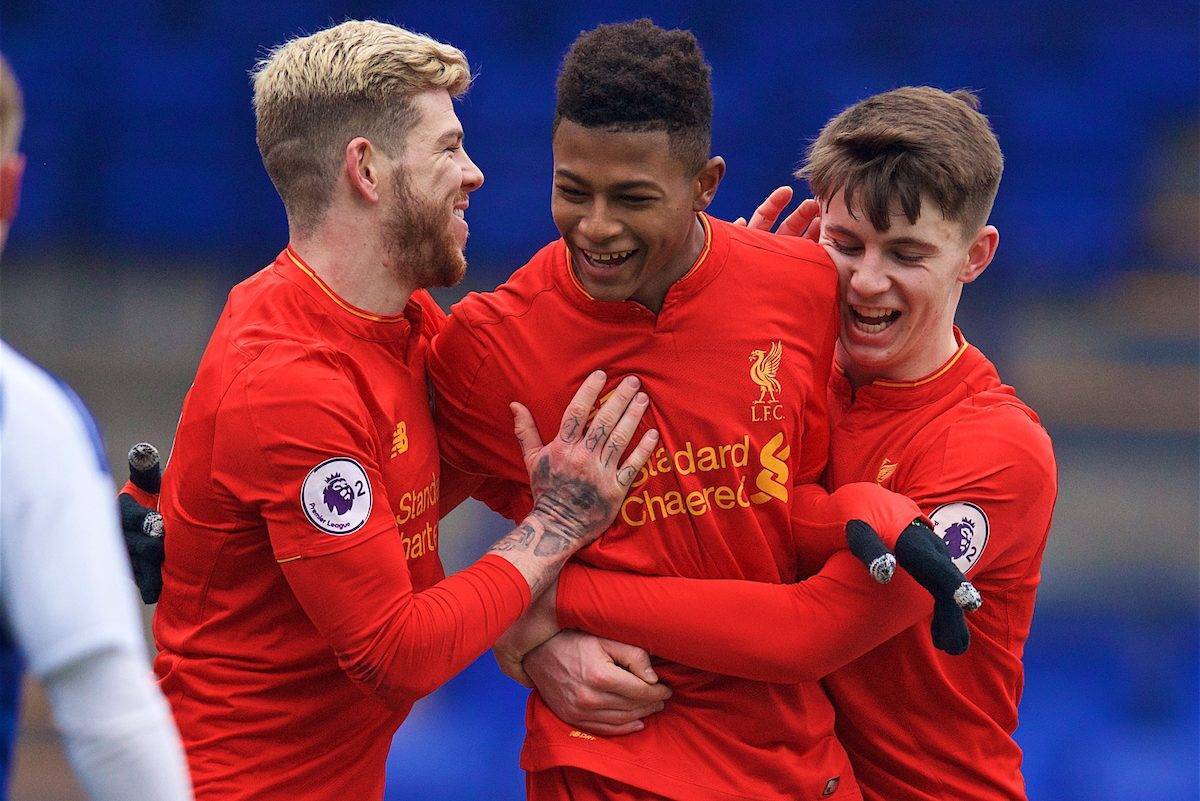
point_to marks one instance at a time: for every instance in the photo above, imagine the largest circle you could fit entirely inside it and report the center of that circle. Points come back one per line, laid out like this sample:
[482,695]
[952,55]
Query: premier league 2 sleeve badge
[963,527]
[336,496]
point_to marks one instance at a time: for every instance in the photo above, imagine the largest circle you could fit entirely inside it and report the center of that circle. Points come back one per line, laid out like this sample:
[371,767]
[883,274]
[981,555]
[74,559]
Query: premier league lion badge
[964,528]
[336,496]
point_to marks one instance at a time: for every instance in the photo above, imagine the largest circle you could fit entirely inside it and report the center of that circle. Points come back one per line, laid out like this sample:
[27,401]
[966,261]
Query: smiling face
[626,207]
[433,177]
[899,288]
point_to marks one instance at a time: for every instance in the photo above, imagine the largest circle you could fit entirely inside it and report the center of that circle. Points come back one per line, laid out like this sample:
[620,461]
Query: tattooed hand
[578,479]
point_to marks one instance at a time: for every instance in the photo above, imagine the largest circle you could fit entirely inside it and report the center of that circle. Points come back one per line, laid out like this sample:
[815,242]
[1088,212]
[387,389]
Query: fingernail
[653,433]
[597,374]
[651,676]
[632,380]
[641,397]
[639,726]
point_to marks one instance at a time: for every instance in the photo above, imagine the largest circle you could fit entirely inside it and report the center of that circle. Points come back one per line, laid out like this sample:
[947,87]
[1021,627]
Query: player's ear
[706,182]
[11,170]
[362,167]
[980,252]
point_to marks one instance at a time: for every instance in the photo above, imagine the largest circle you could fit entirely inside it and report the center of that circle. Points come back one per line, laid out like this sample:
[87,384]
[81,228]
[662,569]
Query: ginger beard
[423,240]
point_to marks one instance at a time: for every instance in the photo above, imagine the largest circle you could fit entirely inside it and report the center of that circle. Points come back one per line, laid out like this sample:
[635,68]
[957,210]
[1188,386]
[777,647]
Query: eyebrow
[452,135]
[623,186]
[903,240]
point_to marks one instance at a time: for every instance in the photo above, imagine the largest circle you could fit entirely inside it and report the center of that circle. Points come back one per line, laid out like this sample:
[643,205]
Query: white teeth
[460,213]
[872,328]
[872,311]
[603,257]
[873,319]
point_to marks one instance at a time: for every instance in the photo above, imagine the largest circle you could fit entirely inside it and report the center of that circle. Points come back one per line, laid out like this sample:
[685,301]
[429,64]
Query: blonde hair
[12,109]
[315,93]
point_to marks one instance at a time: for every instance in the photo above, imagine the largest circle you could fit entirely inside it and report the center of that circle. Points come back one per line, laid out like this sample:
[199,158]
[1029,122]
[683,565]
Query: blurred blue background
[145,201]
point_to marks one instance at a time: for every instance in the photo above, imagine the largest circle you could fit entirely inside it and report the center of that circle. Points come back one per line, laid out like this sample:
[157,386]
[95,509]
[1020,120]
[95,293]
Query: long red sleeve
[782,633]
[401,644]
[819,518]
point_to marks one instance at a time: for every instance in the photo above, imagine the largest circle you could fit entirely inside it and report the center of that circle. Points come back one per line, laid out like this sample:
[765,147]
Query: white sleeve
[117,729]
[66,593]
[65,585]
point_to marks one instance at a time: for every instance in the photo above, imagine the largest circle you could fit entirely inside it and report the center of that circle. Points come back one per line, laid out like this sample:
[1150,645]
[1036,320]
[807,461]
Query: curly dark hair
[636,76]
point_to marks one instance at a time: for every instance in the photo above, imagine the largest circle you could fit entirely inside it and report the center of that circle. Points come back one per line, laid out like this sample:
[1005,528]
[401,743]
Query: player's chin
[454,271]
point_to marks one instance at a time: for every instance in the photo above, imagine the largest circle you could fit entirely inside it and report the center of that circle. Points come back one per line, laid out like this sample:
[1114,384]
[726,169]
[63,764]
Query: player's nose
[598,225]
[472,176]
[868,276]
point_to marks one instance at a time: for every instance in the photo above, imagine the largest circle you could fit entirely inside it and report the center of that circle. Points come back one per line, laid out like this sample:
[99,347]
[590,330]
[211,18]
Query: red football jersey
[918,724]
[304,607]
[736,365]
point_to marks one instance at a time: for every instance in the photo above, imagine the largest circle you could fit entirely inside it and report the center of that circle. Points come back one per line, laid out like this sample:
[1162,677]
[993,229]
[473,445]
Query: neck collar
[917,391]
[706,267]
[359,322]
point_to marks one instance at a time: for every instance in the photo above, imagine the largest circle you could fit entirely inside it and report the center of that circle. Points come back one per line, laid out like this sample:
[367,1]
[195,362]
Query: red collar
[917,392]
[706,267]
[358,322]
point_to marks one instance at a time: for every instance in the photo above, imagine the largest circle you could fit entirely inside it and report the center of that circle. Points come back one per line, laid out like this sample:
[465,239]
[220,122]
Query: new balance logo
[885,471]
[399,439]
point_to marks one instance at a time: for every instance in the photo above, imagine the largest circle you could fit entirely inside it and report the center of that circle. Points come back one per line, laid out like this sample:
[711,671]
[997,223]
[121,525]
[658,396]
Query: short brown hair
[12,109]
[315,93]
[897,146]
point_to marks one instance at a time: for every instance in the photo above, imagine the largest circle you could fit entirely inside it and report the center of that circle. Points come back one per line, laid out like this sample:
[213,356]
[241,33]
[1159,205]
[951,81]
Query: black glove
[924,555]
[141,524]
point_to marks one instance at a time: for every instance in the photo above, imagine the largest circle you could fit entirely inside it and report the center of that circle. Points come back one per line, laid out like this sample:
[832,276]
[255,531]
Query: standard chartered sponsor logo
[414,503]
[420,542]
[692,459]
[646,506]
[772,480]
[411,505]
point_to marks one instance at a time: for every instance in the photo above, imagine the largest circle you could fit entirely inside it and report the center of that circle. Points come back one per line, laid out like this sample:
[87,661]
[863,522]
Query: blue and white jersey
[65,587]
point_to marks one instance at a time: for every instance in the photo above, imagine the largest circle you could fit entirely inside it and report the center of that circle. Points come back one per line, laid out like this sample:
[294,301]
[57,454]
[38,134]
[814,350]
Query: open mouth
[607,261]
[873,319]
[459,213]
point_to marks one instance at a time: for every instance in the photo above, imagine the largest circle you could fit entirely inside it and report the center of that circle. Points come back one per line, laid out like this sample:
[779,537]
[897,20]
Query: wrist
[556,529]
[558,510]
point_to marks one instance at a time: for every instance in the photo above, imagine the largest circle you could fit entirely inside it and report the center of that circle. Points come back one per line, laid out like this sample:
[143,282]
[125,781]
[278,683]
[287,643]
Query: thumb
[632,658]
[526,431]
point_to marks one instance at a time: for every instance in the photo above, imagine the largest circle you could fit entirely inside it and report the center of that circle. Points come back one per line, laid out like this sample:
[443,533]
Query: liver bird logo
[763,367]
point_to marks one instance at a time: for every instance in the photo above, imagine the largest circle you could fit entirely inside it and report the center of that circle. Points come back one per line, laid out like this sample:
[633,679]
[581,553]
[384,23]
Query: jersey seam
[827,266]
[501,317]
